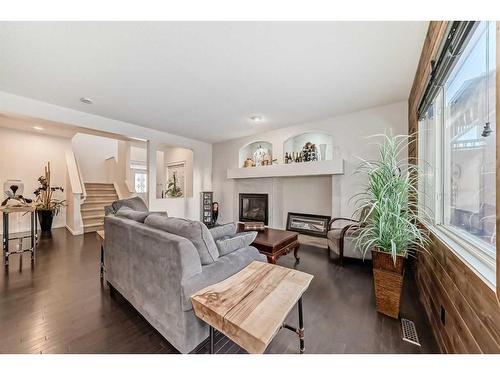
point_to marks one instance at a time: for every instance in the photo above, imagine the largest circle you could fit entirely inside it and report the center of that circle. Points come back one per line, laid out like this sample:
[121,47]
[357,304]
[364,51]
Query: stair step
[90,184]
[90,222]
[96,204]
[89,217]
[90,210]
[100,198]
[100,188]
[92,228]
[105,195]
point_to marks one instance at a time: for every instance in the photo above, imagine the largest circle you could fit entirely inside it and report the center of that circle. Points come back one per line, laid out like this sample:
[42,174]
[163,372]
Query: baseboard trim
[73,232]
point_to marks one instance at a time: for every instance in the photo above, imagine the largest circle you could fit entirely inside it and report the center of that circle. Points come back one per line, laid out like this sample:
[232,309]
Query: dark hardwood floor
[60,306]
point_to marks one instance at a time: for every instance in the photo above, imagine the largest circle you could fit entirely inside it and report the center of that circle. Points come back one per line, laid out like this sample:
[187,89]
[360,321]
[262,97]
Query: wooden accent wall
[463,311]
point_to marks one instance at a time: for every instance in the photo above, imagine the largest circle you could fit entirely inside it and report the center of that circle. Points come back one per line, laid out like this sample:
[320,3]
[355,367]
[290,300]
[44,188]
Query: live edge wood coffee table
[250,307]
[274,243]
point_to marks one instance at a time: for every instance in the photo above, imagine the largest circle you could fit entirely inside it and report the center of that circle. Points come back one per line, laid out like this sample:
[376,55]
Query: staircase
[99,195]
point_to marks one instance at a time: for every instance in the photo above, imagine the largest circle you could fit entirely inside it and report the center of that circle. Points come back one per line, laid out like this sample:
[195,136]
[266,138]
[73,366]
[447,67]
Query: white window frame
[144,172]
[473,252]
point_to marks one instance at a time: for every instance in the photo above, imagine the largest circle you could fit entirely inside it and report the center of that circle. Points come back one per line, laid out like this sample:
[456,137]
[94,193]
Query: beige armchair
[342,238]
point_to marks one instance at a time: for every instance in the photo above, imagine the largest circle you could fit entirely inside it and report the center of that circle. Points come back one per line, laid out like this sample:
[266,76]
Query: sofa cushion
[224,230]
[135,203]
[131,214]
[235,242]
[194,231]
[159,213]
[220,270]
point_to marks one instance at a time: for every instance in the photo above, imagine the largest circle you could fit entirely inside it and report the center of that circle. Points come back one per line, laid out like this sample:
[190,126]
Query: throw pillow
[135,203]
[221,231]
[194,231]
[238,241]
[129,213]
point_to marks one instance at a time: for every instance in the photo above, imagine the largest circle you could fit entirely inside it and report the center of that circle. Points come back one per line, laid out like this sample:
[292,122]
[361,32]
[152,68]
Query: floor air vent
[409,331]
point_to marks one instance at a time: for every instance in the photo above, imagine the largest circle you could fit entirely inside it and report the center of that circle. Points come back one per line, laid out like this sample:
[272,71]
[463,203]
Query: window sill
[484,268]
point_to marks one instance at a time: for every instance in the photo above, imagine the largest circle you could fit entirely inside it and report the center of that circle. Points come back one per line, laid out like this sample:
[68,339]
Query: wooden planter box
[388,282]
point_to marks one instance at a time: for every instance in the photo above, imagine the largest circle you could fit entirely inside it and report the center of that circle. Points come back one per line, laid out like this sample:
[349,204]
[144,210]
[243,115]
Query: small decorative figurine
[248,163]
[215,212]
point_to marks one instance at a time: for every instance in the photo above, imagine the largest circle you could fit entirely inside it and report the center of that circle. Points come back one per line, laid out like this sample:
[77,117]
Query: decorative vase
[322,151]
[45,217]
[388,282]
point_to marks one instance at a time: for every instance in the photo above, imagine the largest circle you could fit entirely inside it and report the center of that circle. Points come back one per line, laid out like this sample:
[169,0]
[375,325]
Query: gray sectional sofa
[157,263]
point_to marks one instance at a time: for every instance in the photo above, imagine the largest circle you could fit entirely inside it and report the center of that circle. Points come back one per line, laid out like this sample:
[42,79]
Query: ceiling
[51,128]
[204,80]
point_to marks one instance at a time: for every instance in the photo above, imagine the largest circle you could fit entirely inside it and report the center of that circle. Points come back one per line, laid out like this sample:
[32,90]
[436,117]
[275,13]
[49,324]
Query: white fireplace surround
[284,198]
[311,189]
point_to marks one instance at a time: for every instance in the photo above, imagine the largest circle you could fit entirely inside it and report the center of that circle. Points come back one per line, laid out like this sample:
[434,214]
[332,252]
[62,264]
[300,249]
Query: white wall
[202,157]
[308,194]
[91,152]
[23,156]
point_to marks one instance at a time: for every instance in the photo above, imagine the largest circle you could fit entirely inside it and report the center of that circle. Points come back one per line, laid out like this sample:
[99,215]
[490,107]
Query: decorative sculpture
[13,190]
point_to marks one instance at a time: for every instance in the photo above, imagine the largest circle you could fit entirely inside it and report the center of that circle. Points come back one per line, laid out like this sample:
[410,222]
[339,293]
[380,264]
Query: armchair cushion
[350,248]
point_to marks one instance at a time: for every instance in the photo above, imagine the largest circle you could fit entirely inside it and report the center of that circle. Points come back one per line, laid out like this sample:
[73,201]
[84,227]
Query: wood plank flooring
[60,306]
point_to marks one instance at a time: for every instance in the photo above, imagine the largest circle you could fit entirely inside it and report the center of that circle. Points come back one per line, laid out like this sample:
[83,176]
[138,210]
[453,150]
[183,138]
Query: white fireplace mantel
[313,168]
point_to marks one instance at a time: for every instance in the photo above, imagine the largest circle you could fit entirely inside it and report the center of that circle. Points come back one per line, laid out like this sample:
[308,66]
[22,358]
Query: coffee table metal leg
[301,326]
[212,334]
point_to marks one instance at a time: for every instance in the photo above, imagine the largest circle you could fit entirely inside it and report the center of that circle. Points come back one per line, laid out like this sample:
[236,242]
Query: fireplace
[254,207]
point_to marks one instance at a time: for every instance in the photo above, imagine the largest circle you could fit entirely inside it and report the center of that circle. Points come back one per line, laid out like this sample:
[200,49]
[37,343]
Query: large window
[456,151]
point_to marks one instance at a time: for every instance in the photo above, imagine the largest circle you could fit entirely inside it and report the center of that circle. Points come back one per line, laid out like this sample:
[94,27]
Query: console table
[6,211]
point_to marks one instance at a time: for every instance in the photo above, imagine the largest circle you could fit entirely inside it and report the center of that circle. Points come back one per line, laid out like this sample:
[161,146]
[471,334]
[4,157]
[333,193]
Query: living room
[263,187]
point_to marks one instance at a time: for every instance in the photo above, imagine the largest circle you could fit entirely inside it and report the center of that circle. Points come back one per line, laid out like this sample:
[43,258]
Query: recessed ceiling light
[86,100]
[256,118]
[37,127]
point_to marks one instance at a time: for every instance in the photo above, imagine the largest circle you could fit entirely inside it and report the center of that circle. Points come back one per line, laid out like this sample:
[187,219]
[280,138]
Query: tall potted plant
[46,205]
[391,230]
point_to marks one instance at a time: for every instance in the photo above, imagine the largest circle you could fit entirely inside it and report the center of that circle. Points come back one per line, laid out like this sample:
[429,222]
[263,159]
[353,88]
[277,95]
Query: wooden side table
[6,210]
[100,238]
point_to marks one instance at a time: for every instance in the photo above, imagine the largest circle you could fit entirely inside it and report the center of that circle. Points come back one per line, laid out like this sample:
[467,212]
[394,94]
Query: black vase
[45,218]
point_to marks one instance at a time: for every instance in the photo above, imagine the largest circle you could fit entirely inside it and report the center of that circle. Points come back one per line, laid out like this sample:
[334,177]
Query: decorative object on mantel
[46,205]
[253,226]
[314,225]
[309,152]
[261,156]
[322,151]
[248,163]
[391,230]
[13,190]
